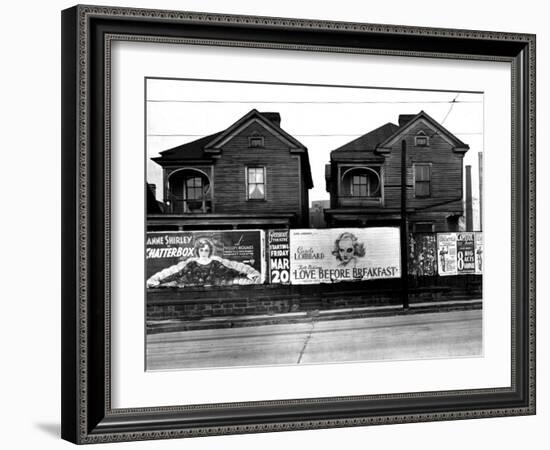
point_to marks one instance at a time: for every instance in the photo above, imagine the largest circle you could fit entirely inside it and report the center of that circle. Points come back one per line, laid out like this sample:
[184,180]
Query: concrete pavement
[162,326]
[408,336]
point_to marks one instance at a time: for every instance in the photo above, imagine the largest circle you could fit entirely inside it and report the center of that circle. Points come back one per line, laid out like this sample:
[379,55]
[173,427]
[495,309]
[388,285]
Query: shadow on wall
[53,429]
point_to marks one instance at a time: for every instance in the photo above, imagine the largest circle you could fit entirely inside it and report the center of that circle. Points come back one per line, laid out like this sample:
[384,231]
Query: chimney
[406,118]
[469,208]
[480,158]
[273,117]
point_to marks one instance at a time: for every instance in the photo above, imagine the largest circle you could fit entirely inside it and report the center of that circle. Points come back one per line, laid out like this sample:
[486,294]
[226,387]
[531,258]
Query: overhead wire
[315,102]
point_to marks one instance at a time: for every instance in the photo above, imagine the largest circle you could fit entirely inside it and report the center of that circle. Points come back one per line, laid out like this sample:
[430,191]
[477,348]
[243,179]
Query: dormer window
[256,142]
[421,140]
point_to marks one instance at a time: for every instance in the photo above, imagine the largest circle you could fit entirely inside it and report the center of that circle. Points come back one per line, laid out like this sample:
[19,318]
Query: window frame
[247,177]
[424,136]
[200,188]
[362,177]
[259,138]
[416,181]
[420,223]
[368,169]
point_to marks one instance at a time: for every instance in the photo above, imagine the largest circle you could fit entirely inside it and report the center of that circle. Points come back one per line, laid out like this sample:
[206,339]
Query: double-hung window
[255,178]
[193,188]
[422,180]
[359,185]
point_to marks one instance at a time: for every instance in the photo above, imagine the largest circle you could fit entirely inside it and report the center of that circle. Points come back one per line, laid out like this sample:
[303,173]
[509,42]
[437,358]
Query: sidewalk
[164,326]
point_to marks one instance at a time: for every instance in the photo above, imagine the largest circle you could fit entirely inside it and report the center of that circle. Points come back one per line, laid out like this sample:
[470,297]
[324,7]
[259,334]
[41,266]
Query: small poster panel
[205,258]
[278,242]
[446,253]
[479,253]
[465,253]
[422,254]
[344,254]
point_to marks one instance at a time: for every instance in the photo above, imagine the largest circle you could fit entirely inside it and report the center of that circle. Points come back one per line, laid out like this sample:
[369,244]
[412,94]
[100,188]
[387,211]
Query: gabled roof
[459,146]
[211,146]
[380,139]
[269,120]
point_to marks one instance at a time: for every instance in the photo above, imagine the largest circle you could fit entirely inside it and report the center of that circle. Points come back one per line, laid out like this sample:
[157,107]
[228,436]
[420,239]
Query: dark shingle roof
[190,150]
[368,142]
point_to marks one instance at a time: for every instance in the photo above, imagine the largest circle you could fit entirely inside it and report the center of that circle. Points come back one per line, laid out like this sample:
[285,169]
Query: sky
[322,118]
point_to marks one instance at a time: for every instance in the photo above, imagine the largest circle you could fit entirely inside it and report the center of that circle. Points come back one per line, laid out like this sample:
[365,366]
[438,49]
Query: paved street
[413,336]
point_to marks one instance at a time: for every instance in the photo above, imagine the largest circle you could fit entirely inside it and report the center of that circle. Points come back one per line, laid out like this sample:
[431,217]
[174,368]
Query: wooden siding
[446,174]
[283,190]
[440,220]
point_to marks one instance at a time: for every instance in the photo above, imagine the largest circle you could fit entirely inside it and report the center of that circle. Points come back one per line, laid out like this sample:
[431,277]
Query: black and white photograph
[276,222]
[293,224]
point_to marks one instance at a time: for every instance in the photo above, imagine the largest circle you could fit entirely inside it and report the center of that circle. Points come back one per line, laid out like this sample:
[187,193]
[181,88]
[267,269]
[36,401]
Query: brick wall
[192,304]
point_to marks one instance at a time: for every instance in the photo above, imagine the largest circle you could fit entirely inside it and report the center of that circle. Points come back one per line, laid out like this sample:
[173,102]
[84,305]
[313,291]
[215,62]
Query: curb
[168,326]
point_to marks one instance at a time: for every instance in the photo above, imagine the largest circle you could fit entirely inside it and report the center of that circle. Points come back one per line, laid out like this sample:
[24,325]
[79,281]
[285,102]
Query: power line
[450,109]
[315,102]
[286,83]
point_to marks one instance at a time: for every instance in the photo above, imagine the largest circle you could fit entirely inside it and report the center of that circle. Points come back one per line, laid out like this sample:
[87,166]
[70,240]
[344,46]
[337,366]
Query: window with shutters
[422,180]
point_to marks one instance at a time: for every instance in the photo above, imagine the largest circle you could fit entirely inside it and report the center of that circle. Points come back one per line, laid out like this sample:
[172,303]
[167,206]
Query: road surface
[413,336]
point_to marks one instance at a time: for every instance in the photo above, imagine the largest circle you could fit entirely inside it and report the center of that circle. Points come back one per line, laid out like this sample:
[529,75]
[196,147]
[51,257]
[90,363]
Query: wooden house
[364,177]
[253,174]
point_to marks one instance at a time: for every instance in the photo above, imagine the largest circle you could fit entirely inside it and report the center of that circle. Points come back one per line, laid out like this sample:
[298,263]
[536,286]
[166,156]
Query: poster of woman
[223,258]
[344,254]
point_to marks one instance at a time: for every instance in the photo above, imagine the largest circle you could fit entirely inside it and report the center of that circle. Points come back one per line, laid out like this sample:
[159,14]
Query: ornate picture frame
[88,415]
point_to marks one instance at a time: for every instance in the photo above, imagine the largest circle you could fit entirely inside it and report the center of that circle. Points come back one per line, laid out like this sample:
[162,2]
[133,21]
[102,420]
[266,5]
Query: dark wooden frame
[87,416]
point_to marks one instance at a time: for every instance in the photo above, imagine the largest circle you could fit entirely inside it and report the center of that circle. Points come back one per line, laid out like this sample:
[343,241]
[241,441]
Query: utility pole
[469,206]
[403,228]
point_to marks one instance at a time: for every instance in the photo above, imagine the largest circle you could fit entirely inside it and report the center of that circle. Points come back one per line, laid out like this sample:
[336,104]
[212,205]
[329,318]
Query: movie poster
[465,253]
[278,242]
[344,254]
[205,258]
[446,253]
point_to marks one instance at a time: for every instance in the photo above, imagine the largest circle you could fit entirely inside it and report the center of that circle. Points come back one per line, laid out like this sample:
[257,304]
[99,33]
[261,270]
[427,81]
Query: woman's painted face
[345,249]
[204,251]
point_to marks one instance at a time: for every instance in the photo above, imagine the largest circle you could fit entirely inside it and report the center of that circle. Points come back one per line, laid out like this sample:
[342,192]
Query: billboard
[205,258]
[344,254]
